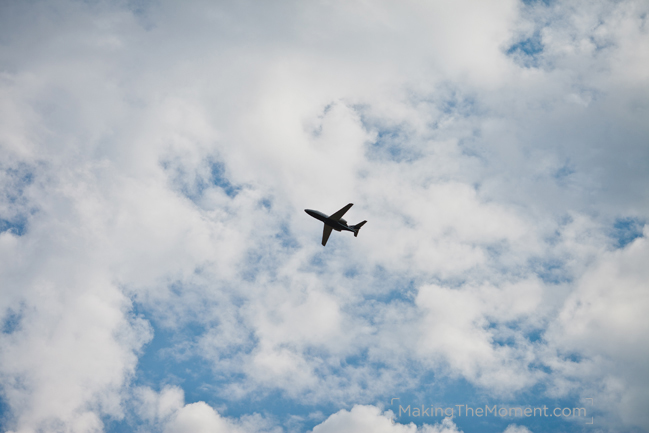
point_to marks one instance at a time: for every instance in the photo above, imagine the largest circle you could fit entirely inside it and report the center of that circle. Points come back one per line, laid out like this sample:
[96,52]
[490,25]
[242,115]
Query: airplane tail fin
[357,228]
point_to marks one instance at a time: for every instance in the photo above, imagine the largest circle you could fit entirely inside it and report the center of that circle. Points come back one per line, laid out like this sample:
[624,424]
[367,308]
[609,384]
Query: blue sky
[158,273]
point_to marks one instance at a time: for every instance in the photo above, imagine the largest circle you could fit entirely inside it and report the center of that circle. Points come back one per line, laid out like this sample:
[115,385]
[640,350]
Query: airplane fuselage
[337,225]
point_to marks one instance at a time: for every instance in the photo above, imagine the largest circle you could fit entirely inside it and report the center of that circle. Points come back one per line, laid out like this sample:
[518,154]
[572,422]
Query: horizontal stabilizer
[357,228]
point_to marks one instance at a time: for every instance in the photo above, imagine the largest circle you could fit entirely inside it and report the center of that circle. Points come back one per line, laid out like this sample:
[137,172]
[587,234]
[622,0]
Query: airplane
[334,222]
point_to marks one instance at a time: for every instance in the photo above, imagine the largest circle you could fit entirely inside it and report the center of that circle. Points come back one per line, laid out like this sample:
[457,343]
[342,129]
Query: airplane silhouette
[334,222]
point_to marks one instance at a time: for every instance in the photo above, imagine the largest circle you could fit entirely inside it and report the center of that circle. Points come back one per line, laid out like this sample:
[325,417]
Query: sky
[158,272]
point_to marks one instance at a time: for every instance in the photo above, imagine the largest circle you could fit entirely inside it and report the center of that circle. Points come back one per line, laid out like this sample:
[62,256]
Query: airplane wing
[338,215]
[325,234]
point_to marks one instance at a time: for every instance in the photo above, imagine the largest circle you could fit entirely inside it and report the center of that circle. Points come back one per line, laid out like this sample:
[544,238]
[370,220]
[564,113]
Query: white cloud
[604,320]
[454,330]
[368,419]
[198,417]
[513,428]
[156,407]
[166,411]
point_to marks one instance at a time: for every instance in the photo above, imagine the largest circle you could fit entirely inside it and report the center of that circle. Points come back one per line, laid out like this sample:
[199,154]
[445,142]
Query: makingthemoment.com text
[460,410]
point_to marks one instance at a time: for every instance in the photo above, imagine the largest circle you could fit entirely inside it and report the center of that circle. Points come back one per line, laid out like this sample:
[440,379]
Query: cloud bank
[158,273]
